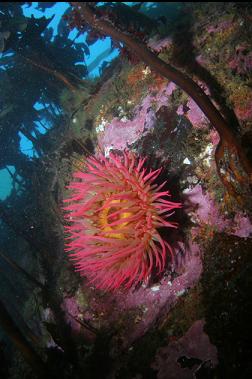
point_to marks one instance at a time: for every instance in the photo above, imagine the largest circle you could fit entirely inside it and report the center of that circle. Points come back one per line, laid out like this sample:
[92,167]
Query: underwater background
[169,82]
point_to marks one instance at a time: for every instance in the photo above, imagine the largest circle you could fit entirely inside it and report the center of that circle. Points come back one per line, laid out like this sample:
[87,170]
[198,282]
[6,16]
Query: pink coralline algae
[195,346]
[160,45]
[243,107]
[242,226]
[70,307]
[242,61]
[115,212]
[200,59]
[244,114]
[207,212]
[122,133]
[119,134]
[221,27]
[194,114]
[214,137]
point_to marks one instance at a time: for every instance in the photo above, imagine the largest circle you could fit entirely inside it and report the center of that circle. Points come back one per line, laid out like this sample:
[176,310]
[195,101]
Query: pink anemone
[114,214]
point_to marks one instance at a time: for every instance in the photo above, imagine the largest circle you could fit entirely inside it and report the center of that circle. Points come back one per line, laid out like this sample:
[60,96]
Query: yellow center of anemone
[106,218]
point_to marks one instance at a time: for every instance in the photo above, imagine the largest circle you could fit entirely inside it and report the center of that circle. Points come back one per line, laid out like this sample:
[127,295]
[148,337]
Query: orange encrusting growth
[115,213]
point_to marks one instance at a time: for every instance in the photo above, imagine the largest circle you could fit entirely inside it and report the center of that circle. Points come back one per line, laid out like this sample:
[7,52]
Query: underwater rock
[134,312]
[181,359]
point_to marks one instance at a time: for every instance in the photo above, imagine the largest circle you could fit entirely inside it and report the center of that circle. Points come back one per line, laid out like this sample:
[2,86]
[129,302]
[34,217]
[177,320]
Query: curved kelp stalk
[233,166]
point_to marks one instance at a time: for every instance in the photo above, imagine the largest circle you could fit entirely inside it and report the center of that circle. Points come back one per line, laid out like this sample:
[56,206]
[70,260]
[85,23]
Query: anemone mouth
[112,220]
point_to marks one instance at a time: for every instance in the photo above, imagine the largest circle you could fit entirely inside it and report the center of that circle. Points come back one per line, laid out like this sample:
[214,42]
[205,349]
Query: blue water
[6,182]
[96,50]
